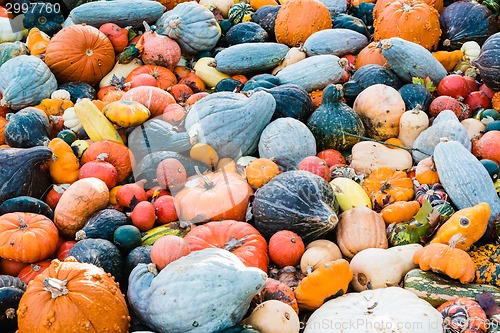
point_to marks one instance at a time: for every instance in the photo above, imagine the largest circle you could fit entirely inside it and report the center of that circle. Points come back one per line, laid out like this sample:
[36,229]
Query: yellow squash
[465,227]
[349,194]
[95,124]
[126,113]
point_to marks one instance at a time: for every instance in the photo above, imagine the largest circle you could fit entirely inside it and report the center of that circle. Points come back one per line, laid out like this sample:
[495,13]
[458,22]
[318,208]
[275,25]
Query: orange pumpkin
[54,106]
[164,77]
[385,186]
[64,167]
[256,4]
[27,237]
[316,98]
[260,171]
[279,291]
[299,19]
[400,211]
[412,20]
[154,98]
[168,249]
[426,172]
[381,4]
[11,267]
[69,294]
[80,53]
[214,196]
[37,41]
[370,54]
[30,272]
[286,248]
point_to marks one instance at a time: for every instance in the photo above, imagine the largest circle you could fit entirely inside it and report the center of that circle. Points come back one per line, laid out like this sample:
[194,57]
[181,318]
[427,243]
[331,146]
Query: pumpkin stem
[152,269]
[80,234]
[146,26]
[10,313]
[362,279]
[55,286]
[208,184]
[233,243]
[22,224]
[174,23]
[101,157]
[385,186]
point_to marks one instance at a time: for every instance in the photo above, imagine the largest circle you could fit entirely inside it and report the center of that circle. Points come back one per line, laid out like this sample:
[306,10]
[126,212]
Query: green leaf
[427,83]
[424,212]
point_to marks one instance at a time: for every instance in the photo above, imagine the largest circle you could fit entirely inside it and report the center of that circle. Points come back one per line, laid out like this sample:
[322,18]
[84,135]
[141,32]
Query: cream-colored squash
[375,268]
[411,124]
[473,126]
[10,30]
[120,71]
[205,70]
[349,194]
[222,5]
[317,254]
[471,50]
[367,156]
[274,316]
[295,54]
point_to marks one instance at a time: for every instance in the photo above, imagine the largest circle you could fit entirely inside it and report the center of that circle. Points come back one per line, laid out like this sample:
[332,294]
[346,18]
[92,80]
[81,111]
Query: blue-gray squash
[25,81]
[287,141]
[246,32]
[230,122]
[214,281]
[192,25]
[291,101]
[336,41]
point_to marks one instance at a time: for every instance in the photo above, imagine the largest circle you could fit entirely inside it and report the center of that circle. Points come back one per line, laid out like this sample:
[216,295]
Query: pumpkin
[441,258]
[299,201]
[448,59]
[80,53]
[117,154]
[204,189]
[385,186]
[64,167]
[380,115]
[426,172]
[416,97]
[317,253]
[370,54]
[276,290]
[370,271]
[37,41]
[403,18]
[54,106]
[395,305]
[164,77]
[240,238]
[204,153]
[101,169]
[151,295]
[299,19]
[159,50]
[274,316]
[168,249]
[286,248]
[463,314]
[83,290]
[487,268]
[31,271]
[153,98]
[411,124]
[464,227]
[360,228]
[192,25]
[486,147]
[126,113]
[261,171]
[328,281]
[102,224]
[83,198]
[486,62]
[27,237]
[399,211]
[367,156]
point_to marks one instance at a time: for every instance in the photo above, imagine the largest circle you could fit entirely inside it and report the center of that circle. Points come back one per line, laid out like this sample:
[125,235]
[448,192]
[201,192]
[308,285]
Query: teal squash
[123,12]
[11,290]
[488,62]
[79,90]
[334,121]
[246,32]
[99,252]
[11,50]
[250,58]
[239,12]
[127,238]
[410,60]
[26,80]
[287,141]
[102,224]
[27,204]
[139,255]
[265,16]
[261,81]
[228,84]
[346,21]
[45,16]
[191,25]
[240,329]
[467,182]
[22,173]
[297,200]
[230,122]
[338,41]
[15,132]
[291,101]
[224,290]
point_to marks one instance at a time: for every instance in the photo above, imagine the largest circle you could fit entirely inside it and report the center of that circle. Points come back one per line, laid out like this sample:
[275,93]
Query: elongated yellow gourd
[95,124]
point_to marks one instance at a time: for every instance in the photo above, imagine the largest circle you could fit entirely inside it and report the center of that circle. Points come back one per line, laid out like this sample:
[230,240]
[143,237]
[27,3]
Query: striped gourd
[250,58]
[152,235]
[466,181]
[410,60]
[314,72]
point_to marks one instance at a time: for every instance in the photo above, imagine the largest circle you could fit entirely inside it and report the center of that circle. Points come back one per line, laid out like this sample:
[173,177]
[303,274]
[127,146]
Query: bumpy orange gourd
[37,41]
[54,106]
[448,59]
[464,227]
[299,19]
[328,281]
[385,186]
[400,211]
[381,4]
[64,166]
[27,237]
[126,113]
[73,296]
[279,291]
[261,171]
[412,20]
[426,172]
[80,53]
[441,258]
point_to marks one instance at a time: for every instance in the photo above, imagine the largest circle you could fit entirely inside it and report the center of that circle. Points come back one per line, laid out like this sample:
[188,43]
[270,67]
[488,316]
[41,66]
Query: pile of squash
[249,166]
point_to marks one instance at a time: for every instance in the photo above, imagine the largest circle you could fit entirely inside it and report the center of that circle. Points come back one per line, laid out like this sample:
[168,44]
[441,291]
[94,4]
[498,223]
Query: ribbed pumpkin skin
[299,19]
[467,182]
[381,4]
[409,59]
[405,19]
[231,122]
[464,21]
[336,41]
[288,141]
[88,298]
[25,81]
[192,25]
[225,289]
[334,120]
[488,62]
[80,53]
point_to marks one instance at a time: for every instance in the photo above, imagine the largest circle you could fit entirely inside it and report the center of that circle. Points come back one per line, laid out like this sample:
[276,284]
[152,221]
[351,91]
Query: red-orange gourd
[286,248]
[168,249]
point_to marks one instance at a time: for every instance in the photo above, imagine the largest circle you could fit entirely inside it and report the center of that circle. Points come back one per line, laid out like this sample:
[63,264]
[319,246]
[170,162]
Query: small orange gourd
[426,172]
[64,167]
[385,186]
[400,211]
[448,59]
[261,171]
[37,41]
[54,106]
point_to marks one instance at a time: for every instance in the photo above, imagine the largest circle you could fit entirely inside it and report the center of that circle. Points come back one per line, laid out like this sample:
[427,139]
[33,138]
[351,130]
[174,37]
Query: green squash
[139,255]
[334,121]
[127,238]
[11,291]
[45,16]
[239,12]
[79,90]
[11,50]
[17,136]
[26,204]
[246,32]
[265,16]
[291,101]
[102,224]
